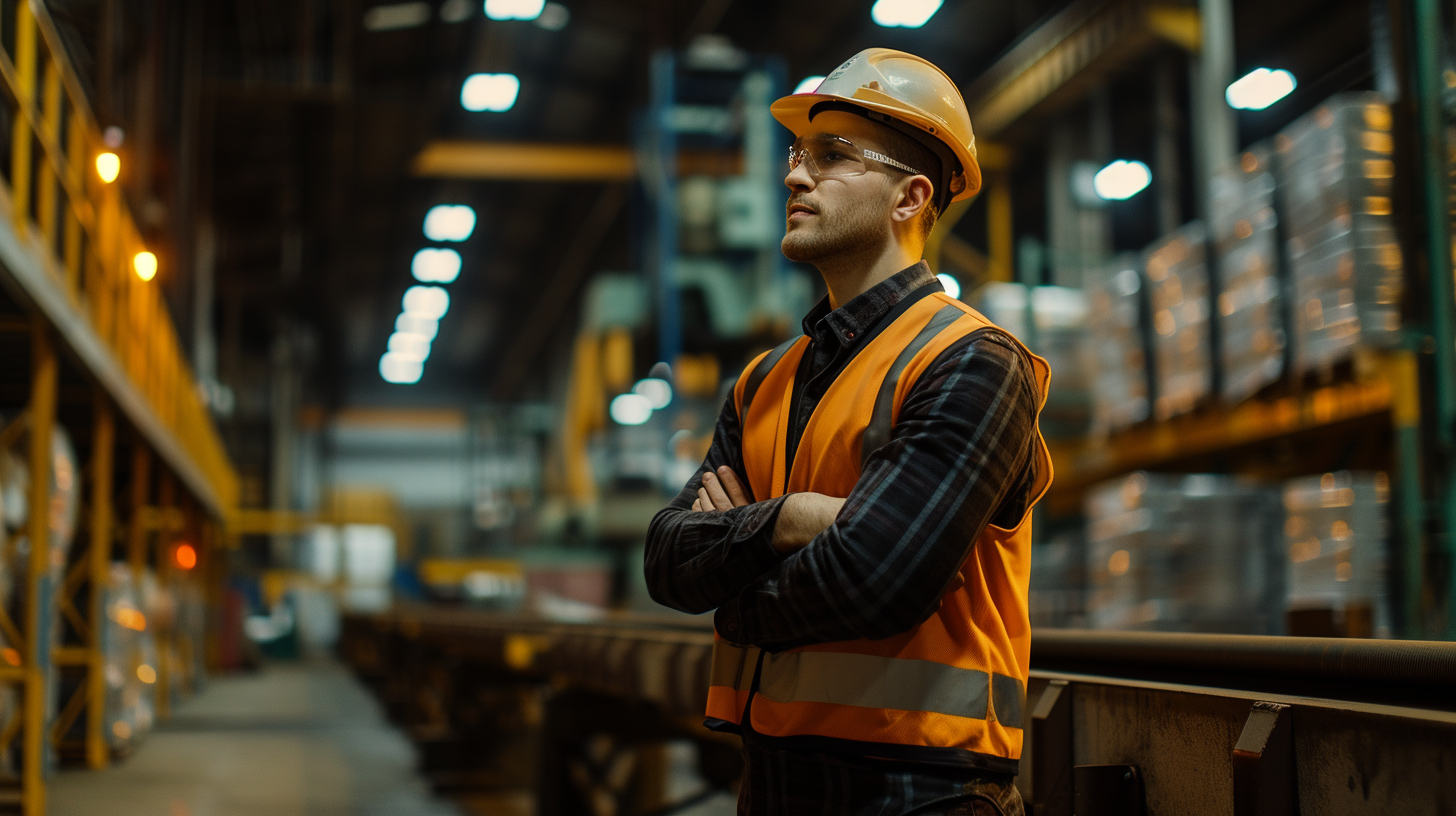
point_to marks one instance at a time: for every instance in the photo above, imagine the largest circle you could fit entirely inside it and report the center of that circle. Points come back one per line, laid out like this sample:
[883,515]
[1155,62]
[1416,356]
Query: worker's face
[838,215]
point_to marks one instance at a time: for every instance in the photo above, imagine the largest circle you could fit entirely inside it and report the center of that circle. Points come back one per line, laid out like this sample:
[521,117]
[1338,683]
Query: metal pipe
[664,150]
[1395,664]
[1430,113]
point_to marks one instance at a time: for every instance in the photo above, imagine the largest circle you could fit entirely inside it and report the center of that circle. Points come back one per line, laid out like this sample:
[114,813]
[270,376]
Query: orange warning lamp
[185,556]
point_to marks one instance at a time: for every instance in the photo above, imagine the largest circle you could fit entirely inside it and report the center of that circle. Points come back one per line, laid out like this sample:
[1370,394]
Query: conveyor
[1155,723]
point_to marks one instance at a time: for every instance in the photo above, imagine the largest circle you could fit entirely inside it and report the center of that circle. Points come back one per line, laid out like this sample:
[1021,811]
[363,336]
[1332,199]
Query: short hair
[911,151]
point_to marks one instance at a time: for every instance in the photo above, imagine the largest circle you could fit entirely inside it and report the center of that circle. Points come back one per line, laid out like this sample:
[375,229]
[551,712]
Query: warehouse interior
[348,348]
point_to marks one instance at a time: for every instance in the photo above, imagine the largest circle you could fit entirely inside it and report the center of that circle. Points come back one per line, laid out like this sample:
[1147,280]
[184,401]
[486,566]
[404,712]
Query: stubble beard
[835,237]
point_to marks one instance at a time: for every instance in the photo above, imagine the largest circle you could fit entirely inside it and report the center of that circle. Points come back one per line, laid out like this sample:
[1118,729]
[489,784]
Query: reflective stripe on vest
[871,681]
[877,433]
[952,686]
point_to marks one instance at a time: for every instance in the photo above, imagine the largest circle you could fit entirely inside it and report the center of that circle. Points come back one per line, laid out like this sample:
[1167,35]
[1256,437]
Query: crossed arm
[807,568]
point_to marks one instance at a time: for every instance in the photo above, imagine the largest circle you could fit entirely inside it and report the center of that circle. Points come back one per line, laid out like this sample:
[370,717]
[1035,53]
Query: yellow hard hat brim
[793,113]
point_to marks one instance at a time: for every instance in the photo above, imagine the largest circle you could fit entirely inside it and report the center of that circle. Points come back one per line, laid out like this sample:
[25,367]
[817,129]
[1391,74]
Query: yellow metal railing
[86,237]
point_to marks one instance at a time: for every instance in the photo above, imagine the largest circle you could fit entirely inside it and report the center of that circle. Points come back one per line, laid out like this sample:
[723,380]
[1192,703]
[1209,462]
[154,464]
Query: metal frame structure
[67,240]
[1175,723]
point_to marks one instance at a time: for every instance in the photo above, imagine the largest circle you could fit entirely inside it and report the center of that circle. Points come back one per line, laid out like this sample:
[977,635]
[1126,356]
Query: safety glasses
[828,156]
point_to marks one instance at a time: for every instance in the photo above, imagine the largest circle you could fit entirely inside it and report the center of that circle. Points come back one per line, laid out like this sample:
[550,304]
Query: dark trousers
[791,783]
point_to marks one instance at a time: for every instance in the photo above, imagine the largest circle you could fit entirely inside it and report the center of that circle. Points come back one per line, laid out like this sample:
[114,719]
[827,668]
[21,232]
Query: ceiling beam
[525,161]
[1059,63]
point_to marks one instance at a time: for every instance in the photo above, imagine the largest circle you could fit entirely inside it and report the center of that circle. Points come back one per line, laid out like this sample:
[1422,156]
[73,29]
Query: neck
[851,276]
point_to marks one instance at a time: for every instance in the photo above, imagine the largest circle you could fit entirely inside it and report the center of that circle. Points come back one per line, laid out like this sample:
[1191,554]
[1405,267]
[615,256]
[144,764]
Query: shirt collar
[856,318]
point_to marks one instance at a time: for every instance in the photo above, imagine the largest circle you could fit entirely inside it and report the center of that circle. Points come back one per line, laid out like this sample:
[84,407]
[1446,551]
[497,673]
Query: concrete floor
[292,739]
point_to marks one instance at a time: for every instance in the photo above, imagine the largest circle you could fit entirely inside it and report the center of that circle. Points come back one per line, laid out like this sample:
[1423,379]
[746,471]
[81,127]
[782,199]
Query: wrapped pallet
[1052,322]
[1184,553]
[62,513]
[1335,537]
[1178,292]
[1118,360]
[129,649]
[1336,169]
[1059,581]
[1250,306]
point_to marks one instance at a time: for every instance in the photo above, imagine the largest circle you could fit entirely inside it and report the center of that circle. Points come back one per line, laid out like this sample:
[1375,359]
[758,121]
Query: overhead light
[514,9]
[396,368]
[456,11]
[417,323]
[808,84]
[108,166]
[396,16]
[428,301]
[657,391]
[1259,88]
[904,13]
[952,286]
[436,265]
[554,17]
[145,264]
[411,345]
[495,93]
[449,222]
[630,409]
[1121,180]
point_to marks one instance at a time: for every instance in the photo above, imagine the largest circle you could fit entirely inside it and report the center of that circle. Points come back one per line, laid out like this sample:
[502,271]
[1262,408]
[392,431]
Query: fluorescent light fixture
[554,17]
[417,323]
[428,301]
[952,286]
[1259,88]
[630,409]
[145,264]
[514,9]
[411,345]
[904,13]
[396,16]
[449,222]
[1121,180]
[808,84]
[397,368]
[495,93]
[456,11]
[657,391]
[436,265]
[108,166]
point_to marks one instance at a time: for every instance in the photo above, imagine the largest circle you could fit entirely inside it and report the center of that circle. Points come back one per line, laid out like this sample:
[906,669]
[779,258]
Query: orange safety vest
[952,690]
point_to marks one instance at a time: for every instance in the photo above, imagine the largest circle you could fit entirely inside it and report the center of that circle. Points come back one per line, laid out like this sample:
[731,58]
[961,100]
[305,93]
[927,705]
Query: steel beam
[522,161]
[1070,54]
[36,660]
[103,444]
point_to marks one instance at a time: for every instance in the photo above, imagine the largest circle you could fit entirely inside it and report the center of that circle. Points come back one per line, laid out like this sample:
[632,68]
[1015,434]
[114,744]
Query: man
[861,522]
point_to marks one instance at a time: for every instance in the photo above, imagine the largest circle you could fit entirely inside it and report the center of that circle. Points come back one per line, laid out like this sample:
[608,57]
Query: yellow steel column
[21,138]
[42,418]
[166,631]
[50,127]
[103,446]
[136,543]
[999,238]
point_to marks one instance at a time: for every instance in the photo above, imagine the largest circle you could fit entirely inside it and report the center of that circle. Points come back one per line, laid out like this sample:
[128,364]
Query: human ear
[912,196]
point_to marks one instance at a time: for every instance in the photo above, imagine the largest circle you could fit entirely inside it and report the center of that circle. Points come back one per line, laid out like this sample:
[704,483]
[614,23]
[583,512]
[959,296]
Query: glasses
[827,156]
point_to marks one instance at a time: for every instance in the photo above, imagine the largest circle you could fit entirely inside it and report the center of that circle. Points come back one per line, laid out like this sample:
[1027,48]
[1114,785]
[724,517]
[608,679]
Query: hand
[803,517]
[720,491]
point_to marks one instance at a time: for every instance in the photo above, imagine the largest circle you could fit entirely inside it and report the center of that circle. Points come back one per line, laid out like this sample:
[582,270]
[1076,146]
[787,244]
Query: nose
[798,179]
